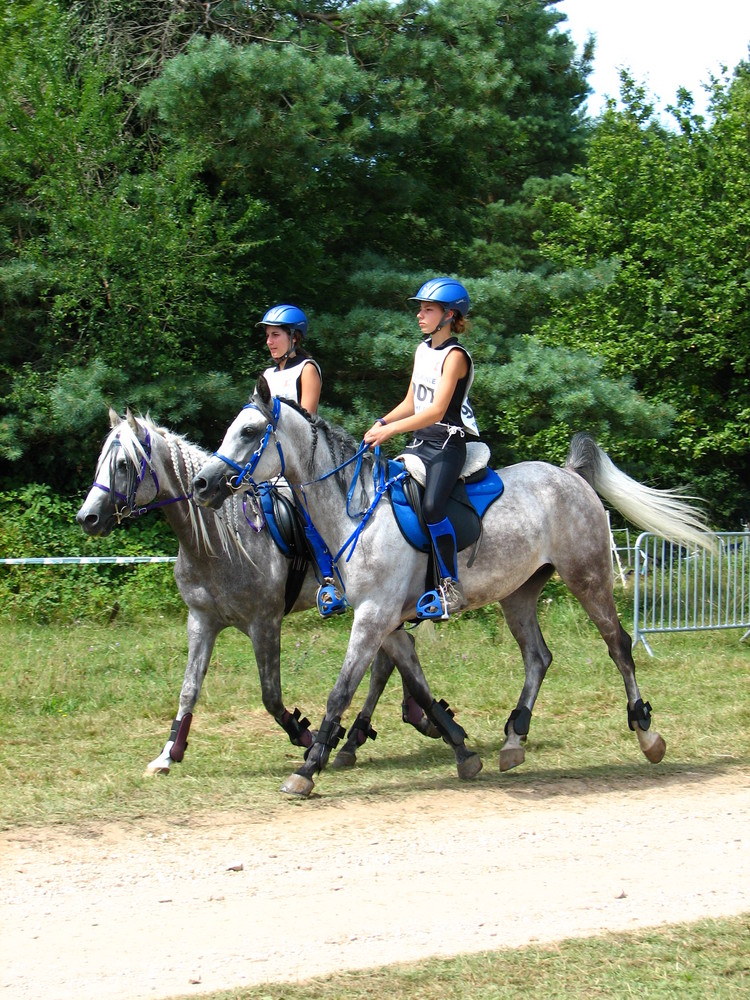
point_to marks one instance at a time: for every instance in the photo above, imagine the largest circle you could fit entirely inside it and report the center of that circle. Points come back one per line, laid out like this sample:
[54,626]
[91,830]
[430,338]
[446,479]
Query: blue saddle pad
[481,495]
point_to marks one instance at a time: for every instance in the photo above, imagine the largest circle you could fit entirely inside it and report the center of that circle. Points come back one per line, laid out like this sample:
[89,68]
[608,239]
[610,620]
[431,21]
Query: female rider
[436,408]
[294,374]
[297,376]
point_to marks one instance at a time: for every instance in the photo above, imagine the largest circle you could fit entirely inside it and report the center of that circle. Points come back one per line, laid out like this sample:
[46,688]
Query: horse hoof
[656,750]
[470,767]
[344,759]
[152,769]
[298,784]
[511,757]
[159,765]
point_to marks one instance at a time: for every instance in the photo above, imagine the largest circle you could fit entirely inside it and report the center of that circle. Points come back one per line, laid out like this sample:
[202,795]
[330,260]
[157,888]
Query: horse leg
[413,713]
[265,635]
[361,729]
[202,633]
[438,713]
[598,601]
[363,644]
[520,610]
[380,670]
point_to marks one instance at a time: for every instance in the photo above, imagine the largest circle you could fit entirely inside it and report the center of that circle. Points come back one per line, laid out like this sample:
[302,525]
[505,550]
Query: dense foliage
[669,212]
[168,171]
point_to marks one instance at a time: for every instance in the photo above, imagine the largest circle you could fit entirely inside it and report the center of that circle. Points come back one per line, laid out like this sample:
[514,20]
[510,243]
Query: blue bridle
[380,482]
[247,470]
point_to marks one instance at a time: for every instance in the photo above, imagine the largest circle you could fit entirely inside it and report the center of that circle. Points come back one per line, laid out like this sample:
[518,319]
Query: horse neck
[325,496]
[175,462]
[199,529]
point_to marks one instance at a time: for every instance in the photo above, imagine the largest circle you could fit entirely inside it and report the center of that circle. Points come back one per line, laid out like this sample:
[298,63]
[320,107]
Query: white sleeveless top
[428,368]
[283,382]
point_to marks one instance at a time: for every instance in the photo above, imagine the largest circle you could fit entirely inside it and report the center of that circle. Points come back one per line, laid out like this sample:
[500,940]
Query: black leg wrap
[298,730]
[179,734]
[640,715]
[361,730]
[329,734]
[520,719]
[442,715]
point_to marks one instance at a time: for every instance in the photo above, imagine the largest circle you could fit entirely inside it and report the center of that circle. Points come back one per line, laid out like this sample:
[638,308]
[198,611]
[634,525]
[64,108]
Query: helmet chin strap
[292,349]
[445,319]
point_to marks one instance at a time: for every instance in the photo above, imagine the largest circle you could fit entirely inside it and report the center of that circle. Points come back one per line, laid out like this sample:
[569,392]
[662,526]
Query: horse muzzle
[95,524]
[210,490]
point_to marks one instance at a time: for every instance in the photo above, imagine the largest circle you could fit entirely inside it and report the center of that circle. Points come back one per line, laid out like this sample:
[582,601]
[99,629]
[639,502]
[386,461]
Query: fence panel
[681,590]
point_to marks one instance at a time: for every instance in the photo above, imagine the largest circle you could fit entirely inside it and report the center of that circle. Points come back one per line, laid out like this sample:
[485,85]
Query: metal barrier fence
[680,590]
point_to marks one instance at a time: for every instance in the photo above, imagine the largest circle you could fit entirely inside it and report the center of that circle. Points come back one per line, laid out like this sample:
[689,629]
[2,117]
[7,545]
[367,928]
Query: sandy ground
[147,910]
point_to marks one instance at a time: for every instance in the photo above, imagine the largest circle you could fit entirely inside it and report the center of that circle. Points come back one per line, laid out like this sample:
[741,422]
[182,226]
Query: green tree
[667,213]
[274,149]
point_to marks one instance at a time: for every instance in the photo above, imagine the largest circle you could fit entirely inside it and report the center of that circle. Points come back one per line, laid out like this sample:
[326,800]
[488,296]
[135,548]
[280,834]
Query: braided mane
[340,443]
[186,460]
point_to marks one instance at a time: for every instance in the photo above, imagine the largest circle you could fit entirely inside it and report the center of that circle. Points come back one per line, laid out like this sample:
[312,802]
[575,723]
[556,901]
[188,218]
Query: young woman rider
[436,410]
[297,376]
[294,374]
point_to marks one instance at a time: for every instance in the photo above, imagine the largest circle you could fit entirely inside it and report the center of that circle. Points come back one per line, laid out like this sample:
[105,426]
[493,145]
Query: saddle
[473,494]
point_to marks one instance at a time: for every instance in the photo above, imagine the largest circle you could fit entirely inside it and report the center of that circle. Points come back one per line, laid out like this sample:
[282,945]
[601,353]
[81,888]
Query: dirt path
[148,911]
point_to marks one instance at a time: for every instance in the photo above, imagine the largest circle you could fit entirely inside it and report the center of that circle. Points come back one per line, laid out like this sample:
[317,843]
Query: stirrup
[432,605]
[329,600]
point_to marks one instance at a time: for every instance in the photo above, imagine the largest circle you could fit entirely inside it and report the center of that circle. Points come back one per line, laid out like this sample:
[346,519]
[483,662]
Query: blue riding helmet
[286,315]
[447,291]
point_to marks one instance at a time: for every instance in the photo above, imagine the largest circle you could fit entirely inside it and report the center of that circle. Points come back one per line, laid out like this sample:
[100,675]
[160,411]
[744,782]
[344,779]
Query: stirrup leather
[329,600]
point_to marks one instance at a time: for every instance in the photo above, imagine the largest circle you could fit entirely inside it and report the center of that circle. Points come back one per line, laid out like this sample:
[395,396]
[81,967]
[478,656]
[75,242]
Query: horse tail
[666,513]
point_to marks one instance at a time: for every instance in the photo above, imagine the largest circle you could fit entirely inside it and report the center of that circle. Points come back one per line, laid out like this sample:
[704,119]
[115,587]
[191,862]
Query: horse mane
[186,458]
[340,443]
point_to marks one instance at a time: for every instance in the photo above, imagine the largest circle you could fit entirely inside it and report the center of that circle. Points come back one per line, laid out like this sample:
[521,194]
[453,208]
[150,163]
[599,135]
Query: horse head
[243,457]
[123,466]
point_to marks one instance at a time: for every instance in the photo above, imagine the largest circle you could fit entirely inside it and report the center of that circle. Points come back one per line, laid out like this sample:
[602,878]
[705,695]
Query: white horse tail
[666,513]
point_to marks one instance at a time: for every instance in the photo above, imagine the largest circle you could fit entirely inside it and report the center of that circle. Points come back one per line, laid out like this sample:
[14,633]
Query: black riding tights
[443,467]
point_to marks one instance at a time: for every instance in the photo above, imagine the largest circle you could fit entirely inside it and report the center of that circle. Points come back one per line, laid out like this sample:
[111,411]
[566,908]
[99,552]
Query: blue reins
[381,483]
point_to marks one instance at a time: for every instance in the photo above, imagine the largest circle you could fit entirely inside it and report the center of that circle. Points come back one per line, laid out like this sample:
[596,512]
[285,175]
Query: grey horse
[229,573]
[548,519]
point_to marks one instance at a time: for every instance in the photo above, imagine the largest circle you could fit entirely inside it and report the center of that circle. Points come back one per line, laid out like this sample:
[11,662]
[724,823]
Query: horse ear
[263,390]
[114,418]
[132,422]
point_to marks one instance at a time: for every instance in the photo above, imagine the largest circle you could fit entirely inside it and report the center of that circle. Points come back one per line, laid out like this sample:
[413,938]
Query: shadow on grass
[426,770]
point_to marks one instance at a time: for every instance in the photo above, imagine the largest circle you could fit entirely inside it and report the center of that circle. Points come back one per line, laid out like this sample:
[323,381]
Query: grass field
[704,961]
[86,706]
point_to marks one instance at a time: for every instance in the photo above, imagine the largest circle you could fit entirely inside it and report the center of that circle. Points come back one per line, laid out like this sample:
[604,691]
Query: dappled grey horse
[548,519]
[229,571]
